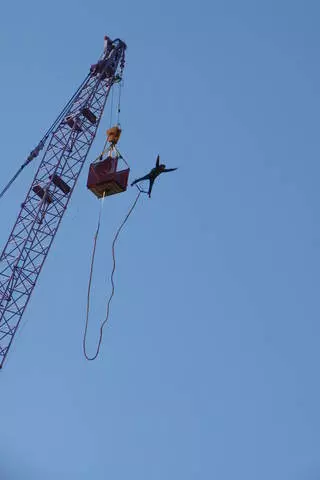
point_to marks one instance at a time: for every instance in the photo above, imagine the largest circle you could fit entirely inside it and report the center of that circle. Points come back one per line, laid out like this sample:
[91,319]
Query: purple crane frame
[38,221]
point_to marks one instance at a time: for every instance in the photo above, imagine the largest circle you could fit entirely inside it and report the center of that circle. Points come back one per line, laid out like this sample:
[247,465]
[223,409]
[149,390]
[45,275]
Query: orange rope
[111,278]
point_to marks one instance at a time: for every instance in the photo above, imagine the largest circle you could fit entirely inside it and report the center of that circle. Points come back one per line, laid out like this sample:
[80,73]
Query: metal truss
[47,199]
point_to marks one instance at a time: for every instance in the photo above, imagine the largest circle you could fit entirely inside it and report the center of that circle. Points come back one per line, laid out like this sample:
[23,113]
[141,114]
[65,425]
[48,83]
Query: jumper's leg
[150,186]
[146,177]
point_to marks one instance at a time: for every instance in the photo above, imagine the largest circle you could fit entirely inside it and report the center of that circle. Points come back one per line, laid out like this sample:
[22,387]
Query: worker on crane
[153,174]
[107,45]
[100,66]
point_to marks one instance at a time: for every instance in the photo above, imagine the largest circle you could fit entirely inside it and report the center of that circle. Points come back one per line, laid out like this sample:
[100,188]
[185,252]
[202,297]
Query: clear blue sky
[210,363]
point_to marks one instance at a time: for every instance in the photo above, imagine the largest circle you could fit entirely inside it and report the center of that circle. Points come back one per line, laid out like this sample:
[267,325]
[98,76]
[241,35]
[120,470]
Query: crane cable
[111,107]
[119,103]
[111,278]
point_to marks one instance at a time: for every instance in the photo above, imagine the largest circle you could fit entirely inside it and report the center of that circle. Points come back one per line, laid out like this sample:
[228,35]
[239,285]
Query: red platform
[104,178]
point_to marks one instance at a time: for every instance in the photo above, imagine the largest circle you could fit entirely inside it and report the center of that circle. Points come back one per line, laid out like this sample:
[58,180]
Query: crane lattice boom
[42,210]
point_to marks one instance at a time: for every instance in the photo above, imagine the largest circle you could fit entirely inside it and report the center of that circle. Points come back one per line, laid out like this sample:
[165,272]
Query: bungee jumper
[153,174]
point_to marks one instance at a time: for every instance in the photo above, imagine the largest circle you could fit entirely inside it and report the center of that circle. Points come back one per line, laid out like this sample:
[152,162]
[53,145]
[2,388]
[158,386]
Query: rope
[111,279]
[141,190]
[122,158]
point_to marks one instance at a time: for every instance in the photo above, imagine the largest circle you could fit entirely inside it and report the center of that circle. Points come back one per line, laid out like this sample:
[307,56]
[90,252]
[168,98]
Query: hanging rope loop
[95,355]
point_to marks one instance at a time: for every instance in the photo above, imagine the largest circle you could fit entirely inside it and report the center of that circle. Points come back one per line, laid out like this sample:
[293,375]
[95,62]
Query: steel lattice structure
[42,210]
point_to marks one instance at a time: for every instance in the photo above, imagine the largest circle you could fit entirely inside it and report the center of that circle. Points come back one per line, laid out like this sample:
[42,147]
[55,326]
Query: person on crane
[153,174]
[107,45]
[107,48]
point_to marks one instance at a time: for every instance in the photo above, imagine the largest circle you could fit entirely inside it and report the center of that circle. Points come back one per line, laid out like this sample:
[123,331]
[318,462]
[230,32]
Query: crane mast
[47,199]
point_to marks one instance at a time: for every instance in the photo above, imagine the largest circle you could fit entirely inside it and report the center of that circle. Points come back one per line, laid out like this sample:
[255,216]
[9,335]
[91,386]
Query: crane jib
[47,199]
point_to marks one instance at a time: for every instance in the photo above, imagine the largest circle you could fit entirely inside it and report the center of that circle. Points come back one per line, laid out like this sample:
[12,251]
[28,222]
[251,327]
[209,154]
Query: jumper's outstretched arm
[169,169]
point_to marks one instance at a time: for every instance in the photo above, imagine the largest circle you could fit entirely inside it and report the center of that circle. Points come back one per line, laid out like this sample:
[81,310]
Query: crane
[68,143]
